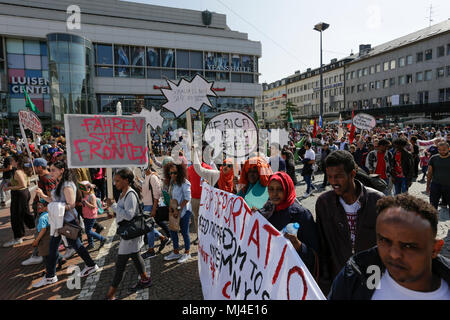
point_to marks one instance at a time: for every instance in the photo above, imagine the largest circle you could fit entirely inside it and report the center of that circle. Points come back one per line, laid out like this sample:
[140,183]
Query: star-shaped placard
[153,117]
[188,94]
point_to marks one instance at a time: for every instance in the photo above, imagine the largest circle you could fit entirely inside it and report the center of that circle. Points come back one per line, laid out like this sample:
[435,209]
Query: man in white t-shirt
[307,171]
[405,264]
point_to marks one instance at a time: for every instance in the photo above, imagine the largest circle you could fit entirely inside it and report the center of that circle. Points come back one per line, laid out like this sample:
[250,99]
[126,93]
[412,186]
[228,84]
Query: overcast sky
[285,27]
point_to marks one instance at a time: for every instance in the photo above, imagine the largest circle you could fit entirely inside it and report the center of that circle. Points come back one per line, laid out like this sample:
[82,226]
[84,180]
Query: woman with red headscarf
[282,209]
[222,179]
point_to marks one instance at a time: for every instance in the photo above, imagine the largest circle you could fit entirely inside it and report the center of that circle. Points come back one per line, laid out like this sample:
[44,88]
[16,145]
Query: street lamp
[322,26]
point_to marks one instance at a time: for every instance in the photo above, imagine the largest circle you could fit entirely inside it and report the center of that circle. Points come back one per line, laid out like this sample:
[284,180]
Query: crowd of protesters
[366,218]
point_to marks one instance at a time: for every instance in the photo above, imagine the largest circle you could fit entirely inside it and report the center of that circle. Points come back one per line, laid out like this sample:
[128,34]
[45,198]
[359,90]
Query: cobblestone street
[171,281]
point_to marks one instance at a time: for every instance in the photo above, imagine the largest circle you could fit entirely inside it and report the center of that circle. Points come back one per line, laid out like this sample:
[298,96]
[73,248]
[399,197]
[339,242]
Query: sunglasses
[228,165]
[174,172]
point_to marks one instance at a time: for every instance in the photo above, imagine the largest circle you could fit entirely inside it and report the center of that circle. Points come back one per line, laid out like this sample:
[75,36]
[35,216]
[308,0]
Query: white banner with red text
[242,256]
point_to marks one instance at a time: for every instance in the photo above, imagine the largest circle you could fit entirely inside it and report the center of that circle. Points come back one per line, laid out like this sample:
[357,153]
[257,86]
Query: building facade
[271,105]
[123,52]
[400,76]
[303,90]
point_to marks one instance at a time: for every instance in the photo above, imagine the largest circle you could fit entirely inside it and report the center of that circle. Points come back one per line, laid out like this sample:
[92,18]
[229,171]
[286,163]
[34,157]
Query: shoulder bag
[140,225]
[70,230]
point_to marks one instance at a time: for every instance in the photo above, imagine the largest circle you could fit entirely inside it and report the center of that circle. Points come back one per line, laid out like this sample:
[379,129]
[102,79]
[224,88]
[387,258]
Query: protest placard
[242,256]
[30,121]
[97,141]
[232,132]
[364,121]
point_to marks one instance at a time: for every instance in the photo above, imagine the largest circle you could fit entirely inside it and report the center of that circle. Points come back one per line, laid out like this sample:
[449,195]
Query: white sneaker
[32,260]
[306,195]
[12,243]
[88,270]
[45,281]
[185,257]
[172,256]
[69,253]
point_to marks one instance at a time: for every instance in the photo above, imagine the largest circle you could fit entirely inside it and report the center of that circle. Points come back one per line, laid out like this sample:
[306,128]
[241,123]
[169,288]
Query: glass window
[196,60]
[153,57]
[372,69]
[138,72]
[138,58]
[401,62]
[16,61]
[409,78]
[32,62]
[225,76]
[392,64]
[386,66]
[428,75]
[14,46]
[43,47]
[378,68]
[428,54]
[169,74]
[409,60]
[168,60]
[103,54]
[235,77]
[122,55]
[392,82]
[247,65]
[419,57]
[104,72]
[401,80]
[62,52]
[419,76]
[32,47]
[44,62]
[122,72]
[448,71]
[441,51]
[183,60]
[386,83]
[153,73]
[365,71]
[440,72]
[448,49]
[236,63]
[77,54]
[182,73]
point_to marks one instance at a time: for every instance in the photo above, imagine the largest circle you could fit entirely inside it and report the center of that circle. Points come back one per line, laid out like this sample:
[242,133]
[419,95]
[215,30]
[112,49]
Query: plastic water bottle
[291,228]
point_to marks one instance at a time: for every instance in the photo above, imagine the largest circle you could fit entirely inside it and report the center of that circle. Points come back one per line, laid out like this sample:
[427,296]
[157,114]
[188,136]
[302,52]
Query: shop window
[14,46]
[104,72]
[122,72]
[169,74]
[168,60]
[122,55]
[196,60]
[104,54]
[183,59]
[153,57]
[137,57]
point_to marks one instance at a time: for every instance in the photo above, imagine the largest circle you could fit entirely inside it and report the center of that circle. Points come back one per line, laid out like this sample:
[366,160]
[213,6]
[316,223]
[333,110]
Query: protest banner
[364,121]
[424,145]
[30,121]
[97,141]
[234,133]
[242,256]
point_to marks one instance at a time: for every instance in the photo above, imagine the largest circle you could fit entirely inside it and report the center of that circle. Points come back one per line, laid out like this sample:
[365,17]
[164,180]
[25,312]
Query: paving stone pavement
[171,281]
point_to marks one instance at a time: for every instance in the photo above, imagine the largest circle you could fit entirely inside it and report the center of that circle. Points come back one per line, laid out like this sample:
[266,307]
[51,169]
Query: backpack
[99,205]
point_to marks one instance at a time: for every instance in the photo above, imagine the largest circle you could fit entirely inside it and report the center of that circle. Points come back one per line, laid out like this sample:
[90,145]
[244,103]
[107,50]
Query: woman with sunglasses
[180,190]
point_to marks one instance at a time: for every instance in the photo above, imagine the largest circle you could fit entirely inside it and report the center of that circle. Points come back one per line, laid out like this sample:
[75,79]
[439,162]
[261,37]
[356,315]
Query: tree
[287,114]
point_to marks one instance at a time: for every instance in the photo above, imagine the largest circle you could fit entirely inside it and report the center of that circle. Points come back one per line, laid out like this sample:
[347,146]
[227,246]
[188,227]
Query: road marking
[91,282]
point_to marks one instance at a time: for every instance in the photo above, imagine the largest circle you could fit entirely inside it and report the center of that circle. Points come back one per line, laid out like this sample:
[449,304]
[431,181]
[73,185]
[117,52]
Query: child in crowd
[424,164]
[42,240]
[89,212]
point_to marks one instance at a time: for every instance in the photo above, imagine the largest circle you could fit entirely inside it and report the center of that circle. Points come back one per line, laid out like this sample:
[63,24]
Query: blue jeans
[309,185]
[184,226]
[53,254]
[400,185]
[88,225]
[151,235]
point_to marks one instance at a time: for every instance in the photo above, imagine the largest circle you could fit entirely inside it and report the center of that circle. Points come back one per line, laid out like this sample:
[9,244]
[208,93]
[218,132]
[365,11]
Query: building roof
[423,34]
[124,14]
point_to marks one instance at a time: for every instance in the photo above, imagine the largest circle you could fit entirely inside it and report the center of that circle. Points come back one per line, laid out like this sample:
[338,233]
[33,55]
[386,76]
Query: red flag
[352,131]
[315,129]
